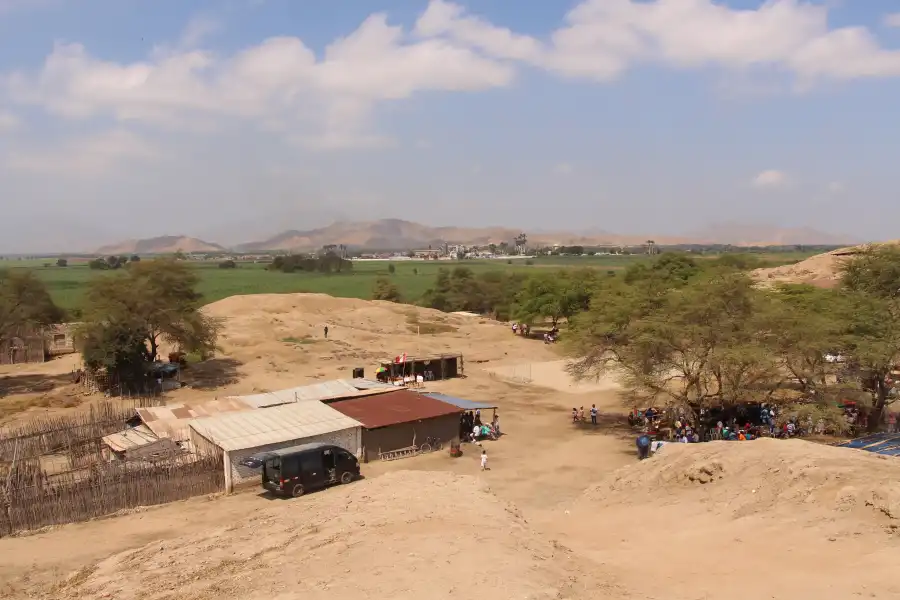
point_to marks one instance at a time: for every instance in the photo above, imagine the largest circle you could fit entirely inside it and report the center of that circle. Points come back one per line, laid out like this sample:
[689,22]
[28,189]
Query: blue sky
[233,120]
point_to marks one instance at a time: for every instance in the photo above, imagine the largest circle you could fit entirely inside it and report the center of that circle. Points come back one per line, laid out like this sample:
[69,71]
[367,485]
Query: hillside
[821,270]
[161,245]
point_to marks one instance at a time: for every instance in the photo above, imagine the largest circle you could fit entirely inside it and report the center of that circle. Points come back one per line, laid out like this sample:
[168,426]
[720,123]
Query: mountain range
[397,234]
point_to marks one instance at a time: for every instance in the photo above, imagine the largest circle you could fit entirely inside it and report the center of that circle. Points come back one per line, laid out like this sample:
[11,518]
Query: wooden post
[229,484]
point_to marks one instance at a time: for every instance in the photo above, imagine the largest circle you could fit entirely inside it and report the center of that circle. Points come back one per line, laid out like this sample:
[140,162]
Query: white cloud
[892,20]
[281,85]
[8,121]
[277,84]
[563,169]
[602,38]
[770,179]
[90,156]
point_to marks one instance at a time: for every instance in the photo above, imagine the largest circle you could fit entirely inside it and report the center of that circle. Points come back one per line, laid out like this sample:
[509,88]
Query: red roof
[393,408]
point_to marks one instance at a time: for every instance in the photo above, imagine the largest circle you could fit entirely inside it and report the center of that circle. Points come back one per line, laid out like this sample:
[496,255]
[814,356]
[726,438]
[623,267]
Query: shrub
[227,264]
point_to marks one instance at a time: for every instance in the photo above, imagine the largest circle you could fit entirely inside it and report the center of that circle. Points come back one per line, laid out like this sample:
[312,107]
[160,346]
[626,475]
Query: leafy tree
[385,290]
[554,296]
[62,262]
[672,268]
[134,258]
[328,263]
[693,346]
[151,302]
[98,264]
[228,264]
[391,268]
[24,301]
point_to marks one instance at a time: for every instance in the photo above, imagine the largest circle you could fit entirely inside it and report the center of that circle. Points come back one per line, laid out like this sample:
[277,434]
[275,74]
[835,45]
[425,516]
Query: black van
[296,470]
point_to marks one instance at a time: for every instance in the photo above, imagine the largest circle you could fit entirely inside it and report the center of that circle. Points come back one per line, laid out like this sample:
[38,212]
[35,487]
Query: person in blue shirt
[643,446]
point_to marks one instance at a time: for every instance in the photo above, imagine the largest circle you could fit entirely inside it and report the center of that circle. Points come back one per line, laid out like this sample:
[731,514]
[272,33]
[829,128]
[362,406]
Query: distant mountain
[167,244]
[397,234]
[744,234]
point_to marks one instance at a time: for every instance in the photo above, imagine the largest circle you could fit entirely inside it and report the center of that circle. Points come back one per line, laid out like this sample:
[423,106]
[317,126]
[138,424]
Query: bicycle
[431,444]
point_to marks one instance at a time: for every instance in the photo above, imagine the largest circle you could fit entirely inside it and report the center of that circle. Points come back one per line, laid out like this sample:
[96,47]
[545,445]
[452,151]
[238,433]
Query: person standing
[593,414]
[484,460]
[326,332]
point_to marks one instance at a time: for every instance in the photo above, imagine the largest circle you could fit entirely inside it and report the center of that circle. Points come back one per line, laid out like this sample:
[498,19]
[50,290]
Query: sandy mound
[766,519]
[821,270]
[764,476]
[403,535]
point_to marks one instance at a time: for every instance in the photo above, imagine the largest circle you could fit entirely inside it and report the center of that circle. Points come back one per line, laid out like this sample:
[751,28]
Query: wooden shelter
[430,368]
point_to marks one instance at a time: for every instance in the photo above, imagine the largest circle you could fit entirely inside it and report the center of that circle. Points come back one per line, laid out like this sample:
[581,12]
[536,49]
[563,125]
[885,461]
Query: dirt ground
[563,512]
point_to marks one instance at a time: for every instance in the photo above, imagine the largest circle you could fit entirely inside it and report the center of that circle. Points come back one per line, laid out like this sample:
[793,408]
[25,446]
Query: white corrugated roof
[133,437]
[336,388]
[254,428]
[172,420]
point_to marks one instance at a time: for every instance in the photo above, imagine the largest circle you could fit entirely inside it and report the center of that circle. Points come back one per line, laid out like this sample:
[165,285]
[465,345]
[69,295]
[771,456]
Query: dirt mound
[821,270]
[402,535]
[769,476]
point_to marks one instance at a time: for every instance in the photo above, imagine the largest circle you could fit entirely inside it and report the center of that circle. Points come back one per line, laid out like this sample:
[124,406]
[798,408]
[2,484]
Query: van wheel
[297,490]
[346,477]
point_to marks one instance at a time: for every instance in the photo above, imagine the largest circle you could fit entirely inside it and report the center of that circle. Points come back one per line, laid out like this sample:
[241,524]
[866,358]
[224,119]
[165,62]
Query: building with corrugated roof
[334,389]
[171,420]
[396,420]
[239,435]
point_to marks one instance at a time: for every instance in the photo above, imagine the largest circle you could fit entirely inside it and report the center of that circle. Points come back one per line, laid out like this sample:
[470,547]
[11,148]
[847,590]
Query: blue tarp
[887,444]
[459,402]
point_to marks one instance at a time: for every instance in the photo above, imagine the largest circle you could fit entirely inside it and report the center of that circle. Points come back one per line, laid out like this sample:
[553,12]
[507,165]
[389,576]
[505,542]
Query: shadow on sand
[211,374]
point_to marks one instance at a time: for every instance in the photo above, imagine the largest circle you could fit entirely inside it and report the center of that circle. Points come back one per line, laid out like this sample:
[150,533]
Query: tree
[554,296]
[672,269]
[152,301]
[62,262]
[24,302]
[391,268]
[228,264]
[695,346]
[385,290]
[134,258]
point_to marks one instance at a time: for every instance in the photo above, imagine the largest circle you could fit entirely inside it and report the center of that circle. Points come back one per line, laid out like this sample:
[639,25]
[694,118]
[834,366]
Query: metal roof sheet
[254,428]
[336,388]
[361,383]
[129,439]
[172,420]
[460,402]
[393,408]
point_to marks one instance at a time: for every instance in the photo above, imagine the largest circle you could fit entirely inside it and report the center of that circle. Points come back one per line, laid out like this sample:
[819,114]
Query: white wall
[348,439]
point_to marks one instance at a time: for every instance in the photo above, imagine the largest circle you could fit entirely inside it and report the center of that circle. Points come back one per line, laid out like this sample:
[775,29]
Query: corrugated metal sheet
[887,444]
[254,428]
[130,439]
[336,388]
[172,420]
[460,402]
[370,384]
[394,408]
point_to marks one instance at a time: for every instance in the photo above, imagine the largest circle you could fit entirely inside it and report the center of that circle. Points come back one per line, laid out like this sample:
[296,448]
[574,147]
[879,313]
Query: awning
[460,402]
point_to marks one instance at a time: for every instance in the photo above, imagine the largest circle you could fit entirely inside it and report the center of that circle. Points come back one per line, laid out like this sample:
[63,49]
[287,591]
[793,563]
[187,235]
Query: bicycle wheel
[426,447]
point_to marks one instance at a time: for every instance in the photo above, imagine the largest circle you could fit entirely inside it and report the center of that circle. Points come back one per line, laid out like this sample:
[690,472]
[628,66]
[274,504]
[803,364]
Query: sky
[233,120]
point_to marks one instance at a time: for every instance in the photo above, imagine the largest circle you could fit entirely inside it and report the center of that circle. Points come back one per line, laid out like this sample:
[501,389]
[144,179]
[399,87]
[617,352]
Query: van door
[312,469]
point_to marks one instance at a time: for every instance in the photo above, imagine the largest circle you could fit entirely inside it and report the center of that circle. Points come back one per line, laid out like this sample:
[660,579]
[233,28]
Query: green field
[67,285]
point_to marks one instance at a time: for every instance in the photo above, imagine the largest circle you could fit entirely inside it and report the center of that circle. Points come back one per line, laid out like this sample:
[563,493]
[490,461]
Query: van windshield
[272,469]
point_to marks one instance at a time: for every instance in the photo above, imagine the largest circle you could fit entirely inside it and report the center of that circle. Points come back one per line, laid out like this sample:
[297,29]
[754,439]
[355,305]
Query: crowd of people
[472,429]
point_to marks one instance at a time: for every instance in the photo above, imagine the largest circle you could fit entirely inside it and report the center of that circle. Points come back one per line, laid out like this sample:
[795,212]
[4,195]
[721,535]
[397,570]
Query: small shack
[397,420]
[239,435]
[429,368]
[138,443]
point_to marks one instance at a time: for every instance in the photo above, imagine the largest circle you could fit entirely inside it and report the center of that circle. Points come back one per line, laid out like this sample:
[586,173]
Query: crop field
[67,285]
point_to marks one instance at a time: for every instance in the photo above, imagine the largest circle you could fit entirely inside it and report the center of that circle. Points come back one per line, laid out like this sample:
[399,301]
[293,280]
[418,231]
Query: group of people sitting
[471,428]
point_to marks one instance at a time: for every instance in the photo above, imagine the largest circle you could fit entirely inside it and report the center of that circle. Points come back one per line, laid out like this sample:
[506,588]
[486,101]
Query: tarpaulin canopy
[887,444]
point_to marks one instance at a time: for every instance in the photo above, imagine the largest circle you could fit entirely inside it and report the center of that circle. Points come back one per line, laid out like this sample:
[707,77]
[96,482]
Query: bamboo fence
[30,499]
